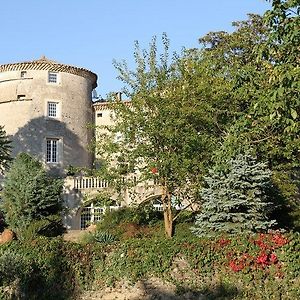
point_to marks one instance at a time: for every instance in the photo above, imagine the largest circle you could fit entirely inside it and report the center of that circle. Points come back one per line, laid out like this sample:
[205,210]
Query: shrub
[35,270]
[247,266]
[141,215]
[104,237]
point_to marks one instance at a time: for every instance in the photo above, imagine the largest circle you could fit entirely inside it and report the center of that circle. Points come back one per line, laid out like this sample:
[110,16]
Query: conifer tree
[29,194]
[236,200]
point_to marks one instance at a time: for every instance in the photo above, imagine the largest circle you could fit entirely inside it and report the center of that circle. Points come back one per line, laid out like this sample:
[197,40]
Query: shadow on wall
[31,138]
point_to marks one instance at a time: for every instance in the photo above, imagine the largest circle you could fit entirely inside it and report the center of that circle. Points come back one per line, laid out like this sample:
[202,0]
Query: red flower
[262,258]
[273,258]
[236,267]
[154,170]
[223,242]
[279,240]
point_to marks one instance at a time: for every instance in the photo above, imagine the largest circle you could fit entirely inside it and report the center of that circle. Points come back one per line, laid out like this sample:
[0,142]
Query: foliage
[49,226]
[168,131]
[253,266]
[260,266]
[35,270]
[30,195]
[104,237]
[259,63]
[236,200]
[141,215]
[4,150]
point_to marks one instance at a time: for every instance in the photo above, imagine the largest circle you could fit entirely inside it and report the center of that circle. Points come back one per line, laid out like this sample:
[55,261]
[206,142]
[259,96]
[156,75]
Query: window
[157,205]
[23,74]
[93,213]
[90,215]
[52,77]
[52,150]
[52,109]
[99,115]
[21,97]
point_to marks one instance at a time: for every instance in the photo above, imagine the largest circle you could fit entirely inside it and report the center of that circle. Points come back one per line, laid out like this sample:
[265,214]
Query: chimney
[119,96]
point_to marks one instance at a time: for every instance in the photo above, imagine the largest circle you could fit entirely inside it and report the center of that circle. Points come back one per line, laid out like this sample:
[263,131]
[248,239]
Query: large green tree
[29,194]
[270,82]
[269,86]
[239,92]
[169,129]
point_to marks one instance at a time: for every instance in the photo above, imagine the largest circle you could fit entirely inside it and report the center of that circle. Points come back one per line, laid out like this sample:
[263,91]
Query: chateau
[46,109]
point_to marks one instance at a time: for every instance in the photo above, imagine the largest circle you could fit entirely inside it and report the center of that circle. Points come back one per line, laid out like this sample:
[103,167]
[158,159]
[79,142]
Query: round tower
[46,110]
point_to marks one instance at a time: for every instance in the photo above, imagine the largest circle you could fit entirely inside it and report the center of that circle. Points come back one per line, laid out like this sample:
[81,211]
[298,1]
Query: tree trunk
[168,217]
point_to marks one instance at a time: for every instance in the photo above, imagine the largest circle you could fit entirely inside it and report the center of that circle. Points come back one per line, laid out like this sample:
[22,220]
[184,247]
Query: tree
[4,149]
[268,85]
[29,194]
[236,200]
[270,124]
[168,130]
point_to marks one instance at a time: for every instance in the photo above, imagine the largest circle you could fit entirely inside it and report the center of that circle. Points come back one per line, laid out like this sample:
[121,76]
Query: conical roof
[50,65]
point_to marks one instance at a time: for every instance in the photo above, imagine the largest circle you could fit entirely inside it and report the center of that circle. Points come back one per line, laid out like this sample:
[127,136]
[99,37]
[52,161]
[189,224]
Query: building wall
[23,112]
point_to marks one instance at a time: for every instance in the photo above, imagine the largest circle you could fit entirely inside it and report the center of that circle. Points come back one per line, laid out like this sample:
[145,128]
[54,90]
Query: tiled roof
[45,64]
[102,105]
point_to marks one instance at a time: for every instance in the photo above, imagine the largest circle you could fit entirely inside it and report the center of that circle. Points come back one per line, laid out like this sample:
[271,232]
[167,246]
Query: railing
[81,183]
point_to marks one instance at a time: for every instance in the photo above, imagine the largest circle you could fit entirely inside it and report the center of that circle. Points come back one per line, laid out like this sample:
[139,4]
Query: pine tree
[236,200]
[29,194]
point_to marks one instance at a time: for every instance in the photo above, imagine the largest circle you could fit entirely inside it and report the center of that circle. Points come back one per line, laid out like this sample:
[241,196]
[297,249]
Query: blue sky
[91,33]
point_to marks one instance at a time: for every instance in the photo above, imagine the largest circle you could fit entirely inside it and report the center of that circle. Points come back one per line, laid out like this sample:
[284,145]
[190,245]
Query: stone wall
[23,111]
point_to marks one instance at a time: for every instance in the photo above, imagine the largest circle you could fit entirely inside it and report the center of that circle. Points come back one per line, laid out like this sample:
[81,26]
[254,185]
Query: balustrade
[82,183]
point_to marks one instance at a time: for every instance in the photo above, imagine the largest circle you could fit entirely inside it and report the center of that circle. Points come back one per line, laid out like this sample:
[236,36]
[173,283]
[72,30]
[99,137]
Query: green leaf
[294,114]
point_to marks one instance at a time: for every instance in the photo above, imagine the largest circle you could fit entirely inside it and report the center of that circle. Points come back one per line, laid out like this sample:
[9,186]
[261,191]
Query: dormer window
[52,77]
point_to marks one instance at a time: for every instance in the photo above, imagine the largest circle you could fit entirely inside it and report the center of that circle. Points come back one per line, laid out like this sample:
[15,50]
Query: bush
[104,237]
[141,215]
[260,266]
[35,270]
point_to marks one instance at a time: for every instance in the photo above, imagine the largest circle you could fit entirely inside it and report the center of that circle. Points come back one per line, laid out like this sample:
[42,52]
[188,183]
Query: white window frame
[53,109]
[53,78]
[52,150]
[90,215]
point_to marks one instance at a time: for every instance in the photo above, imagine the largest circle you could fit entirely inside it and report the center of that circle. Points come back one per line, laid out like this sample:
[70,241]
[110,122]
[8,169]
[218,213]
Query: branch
[174,219]
[261,140]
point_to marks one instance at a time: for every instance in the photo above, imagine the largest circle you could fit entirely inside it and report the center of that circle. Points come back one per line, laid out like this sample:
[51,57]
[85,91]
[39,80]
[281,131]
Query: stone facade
[46,108]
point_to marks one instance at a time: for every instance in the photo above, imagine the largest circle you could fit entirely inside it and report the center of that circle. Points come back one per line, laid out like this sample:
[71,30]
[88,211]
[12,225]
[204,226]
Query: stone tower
[45,108]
